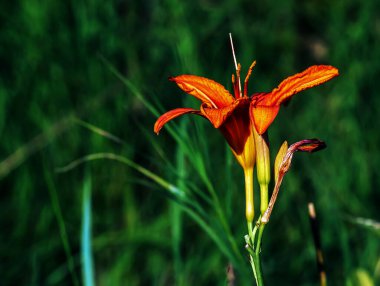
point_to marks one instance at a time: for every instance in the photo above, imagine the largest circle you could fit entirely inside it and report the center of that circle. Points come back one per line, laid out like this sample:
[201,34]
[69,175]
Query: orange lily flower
[231,114]
[235,115]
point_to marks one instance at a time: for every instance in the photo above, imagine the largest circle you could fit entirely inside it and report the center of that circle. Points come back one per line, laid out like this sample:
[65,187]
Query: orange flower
[231,114]
[265,106]
[235,115]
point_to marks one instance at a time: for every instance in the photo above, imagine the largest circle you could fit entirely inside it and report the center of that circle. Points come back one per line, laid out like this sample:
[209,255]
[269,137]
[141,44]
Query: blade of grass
[96,156]
[135,91]
[98,130]
[367,223]
[86,241]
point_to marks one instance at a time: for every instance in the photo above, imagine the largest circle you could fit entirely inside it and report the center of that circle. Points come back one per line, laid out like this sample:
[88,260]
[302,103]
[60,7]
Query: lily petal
[313,76]
[166,117]
[263,116]
[236,128]
[218,116]
[206,90]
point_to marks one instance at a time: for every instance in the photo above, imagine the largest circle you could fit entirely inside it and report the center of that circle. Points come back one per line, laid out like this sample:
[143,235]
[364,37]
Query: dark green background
[52,69]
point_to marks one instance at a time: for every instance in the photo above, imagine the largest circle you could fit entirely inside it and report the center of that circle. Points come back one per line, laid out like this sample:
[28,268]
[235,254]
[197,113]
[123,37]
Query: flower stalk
[253,246]
[249,197]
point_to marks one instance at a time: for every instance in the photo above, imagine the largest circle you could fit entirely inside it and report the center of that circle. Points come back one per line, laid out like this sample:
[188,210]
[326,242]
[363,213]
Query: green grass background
[69,67]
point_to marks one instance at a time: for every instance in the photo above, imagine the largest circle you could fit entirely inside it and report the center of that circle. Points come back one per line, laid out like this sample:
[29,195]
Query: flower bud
[263,167]
[280,156]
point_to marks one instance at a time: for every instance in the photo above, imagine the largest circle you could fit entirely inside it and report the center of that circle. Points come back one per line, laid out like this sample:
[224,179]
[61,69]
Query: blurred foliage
[52,74]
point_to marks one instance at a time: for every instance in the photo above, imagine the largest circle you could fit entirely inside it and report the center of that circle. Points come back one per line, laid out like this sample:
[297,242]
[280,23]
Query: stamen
[237,68]
[238,79]
[233,51]
[247,78]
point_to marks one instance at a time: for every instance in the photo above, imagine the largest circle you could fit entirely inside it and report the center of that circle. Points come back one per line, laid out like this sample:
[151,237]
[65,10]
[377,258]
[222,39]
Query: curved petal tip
[166,117]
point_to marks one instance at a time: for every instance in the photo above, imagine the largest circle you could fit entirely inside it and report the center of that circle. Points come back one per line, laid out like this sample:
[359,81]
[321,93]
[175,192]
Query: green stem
[254,269]
[249,200]
[256,265]
[254,245]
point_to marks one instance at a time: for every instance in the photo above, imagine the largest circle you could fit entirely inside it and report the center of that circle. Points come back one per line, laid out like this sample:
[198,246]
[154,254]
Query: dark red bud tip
[308,145]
